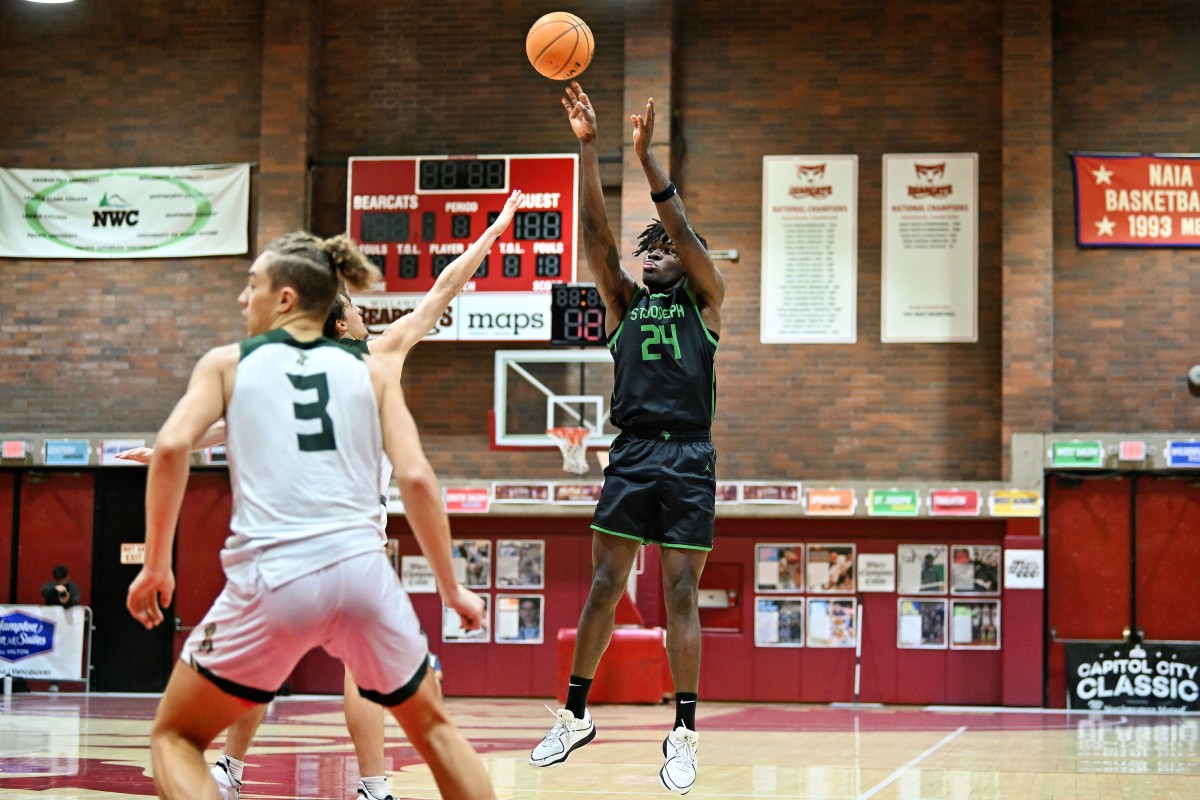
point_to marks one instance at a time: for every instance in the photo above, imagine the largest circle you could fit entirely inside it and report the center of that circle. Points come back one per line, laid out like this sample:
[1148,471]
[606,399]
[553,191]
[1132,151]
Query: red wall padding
[1168,558]
[57,512]
[200,535]
[1087,567]
[1090,567]
[1023,653]
[497,670]
[7,485]
[735,669]
[1088,558]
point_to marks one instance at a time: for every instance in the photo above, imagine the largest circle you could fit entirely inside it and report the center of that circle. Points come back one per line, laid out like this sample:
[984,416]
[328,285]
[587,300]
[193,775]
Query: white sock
[377,785]
[234,767]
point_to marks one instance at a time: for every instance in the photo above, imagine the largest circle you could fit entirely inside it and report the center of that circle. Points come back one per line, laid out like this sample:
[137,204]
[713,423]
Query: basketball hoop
[573,444]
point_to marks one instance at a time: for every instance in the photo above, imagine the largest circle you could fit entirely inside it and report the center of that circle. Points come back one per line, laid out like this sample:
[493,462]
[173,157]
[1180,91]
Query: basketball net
[572,443]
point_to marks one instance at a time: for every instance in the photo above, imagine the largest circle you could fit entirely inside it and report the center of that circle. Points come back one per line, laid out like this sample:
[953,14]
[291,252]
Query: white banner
[43,642]
[809,250]
[137,212]
[930,248]
[472,316]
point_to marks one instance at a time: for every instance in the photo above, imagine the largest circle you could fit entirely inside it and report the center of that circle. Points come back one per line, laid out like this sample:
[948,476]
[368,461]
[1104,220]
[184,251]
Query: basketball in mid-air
[560,46]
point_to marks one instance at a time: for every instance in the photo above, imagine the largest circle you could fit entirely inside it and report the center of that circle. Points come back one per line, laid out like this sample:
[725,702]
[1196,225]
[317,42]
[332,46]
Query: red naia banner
[1127,200]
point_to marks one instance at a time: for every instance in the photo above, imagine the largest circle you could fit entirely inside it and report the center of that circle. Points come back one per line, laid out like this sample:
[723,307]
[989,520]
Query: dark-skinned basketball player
[660,483]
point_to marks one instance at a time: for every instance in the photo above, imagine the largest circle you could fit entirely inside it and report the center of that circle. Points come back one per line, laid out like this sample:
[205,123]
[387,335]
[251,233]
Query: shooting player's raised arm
[706,280]
[614,283]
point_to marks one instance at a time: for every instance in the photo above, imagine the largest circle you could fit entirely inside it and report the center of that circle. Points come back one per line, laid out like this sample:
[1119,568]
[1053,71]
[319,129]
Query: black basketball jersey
[664,363]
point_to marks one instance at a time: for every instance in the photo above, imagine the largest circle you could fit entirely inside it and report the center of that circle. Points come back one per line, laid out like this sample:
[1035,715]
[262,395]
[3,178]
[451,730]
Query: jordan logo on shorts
[206,645]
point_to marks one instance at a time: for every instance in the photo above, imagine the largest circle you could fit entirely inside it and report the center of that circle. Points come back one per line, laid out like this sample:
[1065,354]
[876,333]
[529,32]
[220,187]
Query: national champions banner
[43,642]
[1133,677]
[138,212]
[1136,200]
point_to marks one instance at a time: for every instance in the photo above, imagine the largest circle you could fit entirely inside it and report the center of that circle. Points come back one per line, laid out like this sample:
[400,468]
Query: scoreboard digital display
[576,316]
[413,215]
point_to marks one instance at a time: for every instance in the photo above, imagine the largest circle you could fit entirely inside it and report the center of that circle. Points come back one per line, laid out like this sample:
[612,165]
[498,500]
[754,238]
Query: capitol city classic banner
[138,212]
[1119,676]
[1136,200]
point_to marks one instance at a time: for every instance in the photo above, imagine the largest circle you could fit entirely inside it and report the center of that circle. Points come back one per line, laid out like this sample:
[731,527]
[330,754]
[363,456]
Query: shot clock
[576,316]
[413,215]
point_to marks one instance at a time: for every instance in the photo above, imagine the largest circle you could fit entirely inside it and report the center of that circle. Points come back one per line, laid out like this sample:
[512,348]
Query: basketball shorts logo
[206,646]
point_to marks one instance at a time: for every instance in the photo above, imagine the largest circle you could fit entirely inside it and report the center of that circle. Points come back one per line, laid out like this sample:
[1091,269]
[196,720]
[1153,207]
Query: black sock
[577,692]
[685,710]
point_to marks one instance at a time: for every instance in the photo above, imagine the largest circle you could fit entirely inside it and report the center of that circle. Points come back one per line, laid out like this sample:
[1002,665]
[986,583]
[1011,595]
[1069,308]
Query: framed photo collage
[515,613]
[947,595]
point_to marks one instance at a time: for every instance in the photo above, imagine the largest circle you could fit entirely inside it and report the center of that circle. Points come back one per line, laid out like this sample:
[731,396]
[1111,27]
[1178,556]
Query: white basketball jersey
[304,447]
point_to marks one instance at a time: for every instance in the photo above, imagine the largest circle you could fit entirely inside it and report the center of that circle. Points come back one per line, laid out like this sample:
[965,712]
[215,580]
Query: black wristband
[665,194]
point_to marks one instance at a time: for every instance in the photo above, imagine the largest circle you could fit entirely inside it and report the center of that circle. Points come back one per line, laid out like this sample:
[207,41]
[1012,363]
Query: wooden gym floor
[81,747]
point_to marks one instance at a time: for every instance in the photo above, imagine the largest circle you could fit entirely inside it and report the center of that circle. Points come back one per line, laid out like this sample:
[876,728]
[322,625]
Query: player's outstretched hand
[643,129]
[138,454]
[468,605]
[510,209]
[145,595]
[580,113]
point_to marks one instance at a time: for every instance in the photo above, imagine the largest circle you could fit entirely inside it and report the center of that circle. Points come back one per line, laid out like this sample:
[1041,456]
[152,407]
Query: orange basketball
[560,46]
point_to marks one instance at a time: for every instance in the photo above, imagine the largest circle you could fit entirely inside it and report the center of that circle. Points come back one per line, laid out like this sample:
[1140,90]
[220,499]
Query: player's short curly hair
[655,233]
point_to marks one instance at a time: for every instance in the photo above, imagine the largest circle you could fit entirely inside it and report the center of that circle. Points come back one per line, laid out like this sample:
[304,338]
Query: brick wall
[1125,321]
[855,79]
[107,345]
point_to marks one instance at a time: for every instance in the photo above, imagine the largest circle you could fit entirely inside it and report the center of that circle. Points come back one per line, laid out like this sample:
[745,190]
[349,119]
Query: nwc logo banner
[139,212]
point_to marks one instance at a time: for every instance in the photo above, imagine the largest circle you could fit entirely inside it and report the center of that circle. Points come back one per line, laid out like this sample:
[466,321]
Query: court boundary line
[890,779]
[1156,712]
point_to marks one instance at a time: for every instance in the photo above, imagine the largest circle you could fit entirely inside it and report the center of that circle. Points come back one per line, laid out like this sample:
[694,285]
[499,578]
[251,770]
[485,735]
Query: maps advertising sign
[139,212]
[42,641]
[1133,677]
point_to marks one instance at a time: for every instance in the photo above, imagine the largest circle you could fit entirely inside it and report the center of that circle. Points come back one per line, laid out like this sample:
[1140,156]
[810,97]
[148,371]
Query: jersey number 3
[323,439]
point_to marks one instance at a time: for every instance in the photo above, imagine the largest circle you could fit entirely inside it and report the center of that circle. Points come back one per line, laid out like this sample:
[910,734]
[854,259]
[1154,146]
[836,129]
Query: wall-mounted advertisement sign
[67,452]
[1085,455]
[136,212]
[1136,200]
[1182,454]
[893,503]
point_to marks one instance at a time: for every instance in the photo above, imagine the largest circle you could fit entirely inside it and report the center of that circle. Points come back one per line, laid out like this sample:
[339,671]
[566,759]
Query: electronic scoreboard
[576,316]
[413,215]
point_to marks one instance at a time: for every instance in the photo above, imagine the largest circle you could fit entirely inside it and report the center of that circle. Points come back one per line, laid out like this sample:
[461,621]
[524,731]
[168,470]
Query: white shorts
[250,641]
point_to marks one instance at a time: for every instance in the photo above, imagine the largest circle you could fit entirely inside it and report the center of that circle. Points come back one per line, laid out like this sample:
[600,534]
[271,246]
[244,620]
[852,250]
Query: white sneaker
[226,785]
[365,794]
[567,734]
[679,772]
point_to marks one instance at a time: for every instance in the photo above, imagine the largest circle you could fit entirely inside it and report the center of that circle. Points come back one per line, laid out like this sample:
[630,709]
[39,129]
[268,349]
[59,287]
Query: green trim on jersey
[357,346]
[281,336]
[687,287]
[612,343]
[644,540]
